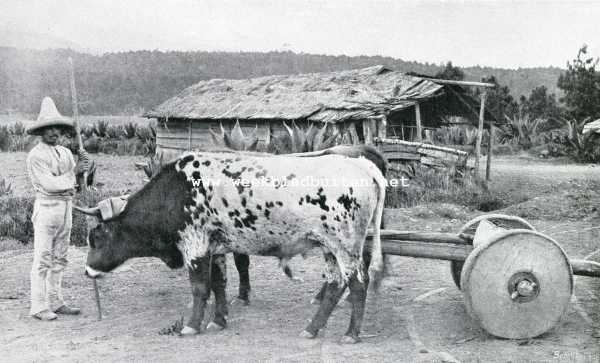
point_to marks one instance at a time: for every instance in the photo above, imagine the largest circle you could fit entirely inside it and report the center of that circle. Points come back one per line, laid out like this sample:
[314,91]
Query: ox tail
[377,266]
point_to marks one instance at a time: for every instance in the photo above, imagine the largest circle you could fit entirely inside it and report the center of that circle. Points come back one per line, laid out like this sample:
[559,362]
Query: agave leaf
[291,134]
[235,140]
[218,139]
[330,141]
[251,141]
[317,142]
[311,132]
[299,138]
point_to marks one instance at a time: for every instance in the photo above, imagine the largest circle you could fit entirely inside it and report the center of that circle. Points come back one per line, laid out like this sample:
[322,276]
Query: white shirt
[51,170]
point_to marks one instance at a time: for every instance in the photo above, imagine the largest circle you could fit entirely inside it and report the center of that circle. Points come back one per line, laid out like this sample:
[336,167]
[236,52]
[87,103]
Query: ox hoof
[307,335]
[347,339]
[239,302]
[188,331]
[314,301]
[213,327]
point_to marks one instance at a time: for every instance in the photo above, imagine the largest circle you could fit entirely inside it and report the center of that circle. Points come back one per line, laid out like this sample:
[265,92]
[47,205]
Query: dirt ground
[419,315]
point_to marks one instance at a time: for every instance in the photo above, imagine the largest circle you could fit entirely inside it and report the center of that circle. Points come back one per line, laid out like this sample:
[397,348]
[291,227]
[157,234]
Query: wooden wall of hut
[184,134]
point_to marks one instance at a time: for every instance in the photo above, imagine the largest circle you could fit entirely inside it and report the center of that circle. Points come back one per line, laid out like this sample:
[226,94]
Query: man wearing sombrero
[51,171]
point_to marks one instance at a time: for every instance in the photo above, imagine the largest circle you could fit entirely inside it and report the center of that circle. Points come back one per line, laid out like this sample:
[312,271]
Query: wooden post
[488,165]
[382,128]
[418,120]
[479,133]
[190,136]
[368,135]
[353,133]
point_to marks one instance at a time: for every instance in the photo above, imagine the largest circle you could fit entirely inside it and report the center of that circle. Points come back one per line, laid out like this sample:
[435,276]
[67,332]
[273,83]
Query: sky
[507,34]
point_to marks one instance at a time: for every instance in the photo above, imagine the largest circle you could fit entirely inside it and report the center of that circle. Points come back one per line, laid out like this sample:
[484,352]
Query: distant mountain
[23,39]
[131,82]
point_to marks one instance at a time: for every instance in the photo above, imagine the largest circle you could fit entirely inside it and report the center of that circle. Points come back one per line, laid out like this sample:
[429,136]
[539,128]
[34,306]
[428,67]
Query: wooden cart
[517,282]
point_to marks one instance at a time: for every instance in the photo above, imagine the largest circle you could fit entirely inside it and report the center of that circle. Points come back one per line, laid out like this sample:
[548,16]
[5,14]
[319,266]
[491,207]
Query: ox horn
[93,211]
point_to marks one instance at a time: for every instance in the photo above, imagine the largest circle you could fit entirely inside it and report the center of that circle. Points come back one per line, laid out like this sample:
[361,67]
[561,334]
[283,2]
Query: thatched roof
[324,97]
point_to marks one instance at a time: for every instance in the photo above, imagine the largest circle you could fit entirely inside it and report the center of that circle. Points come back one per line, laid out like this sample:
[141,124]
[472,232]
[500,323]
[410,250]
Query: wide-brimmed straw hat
[49,116]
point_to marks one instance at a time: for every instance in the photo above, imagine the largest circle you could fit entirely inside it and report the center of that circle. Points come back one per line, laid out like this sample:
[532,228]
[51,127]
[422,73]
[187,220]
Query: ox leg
[218,285]
[242,263]
[358,297]
[332,294]
[199,279]
[319,296]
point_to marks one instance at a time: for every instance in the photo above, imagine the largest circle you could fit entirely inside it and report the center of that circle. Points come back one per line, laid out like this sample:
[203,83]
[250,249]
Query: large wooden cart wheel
[500,220]
[517,285]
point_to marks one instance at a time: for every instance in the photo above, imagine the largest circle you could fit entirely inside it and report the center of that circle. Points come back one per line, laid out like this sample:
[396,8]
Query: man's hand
[83,164]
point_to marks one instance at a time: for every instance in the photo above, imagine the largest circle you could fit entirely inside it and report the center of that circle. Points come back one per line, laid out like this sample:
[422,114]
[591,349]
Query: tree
[450,72]
[581,85]
[499,102]
[540,104]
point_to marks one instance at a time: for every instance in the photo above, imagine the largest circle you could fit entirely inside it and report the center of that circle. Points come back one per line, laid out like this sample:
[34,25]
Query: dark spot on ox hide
[183,162]
[259,207]
[243,201]
[267,213]
[321,200]
[323,217]
[348,202]
[237,223]
[279,203]
[225,202]
[206,163]
[290,177]
[233,175]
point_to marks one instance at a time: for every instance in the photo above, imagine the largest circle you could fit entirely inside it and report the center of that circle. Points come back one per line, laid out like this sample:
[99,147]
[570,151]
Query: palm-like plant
[5,187]
[520,131]
[311,139]
[584,147]
[235,139]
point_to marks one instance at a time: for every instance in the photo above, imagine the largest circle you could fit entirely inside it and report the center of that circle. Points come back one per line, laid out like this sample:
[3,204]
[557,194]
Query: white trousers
[52,220]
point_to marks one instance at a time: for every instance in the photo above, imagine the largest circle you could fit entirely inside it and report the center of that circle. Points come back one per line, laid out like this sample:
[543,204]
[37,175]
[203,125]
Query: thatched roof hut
[362,104]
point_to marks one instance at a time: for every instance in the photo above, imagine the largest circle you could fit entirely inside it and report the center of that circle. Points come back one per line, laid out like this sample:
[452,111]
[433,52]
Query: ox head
[106,238]
[146,224]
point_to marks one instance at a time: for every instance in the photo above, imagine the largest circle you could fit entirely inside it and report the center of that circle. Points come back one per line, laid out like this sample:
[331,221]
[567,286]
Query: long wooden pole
[74,104]
[85,173]
[76,118]
[488,165]
[479,133]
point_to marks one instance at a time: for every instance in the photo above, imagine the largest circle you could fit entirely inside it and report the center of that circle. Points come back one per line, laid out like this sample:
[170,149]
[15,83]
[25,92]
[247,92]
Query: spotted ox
[204,205]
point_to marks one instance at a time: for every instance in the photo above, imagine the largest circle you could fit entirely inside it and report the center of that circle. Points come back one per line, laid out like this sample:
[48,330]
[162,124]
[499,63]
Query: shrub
[115,132]
[5,138]
[16,212]
[130,130]
[100,128]
[426,184]
[5,188]
[18,129]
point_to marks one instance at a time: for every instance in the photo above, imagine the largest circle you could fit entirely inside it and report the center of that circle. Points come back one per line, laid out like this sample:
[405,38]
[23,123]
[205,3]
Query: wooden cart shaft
[451,247]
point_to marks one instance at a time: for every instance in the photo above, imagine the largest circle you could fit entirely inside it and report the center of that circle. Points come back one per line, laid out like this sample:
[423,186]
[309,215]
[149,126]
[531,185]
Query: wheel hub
[523,287]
